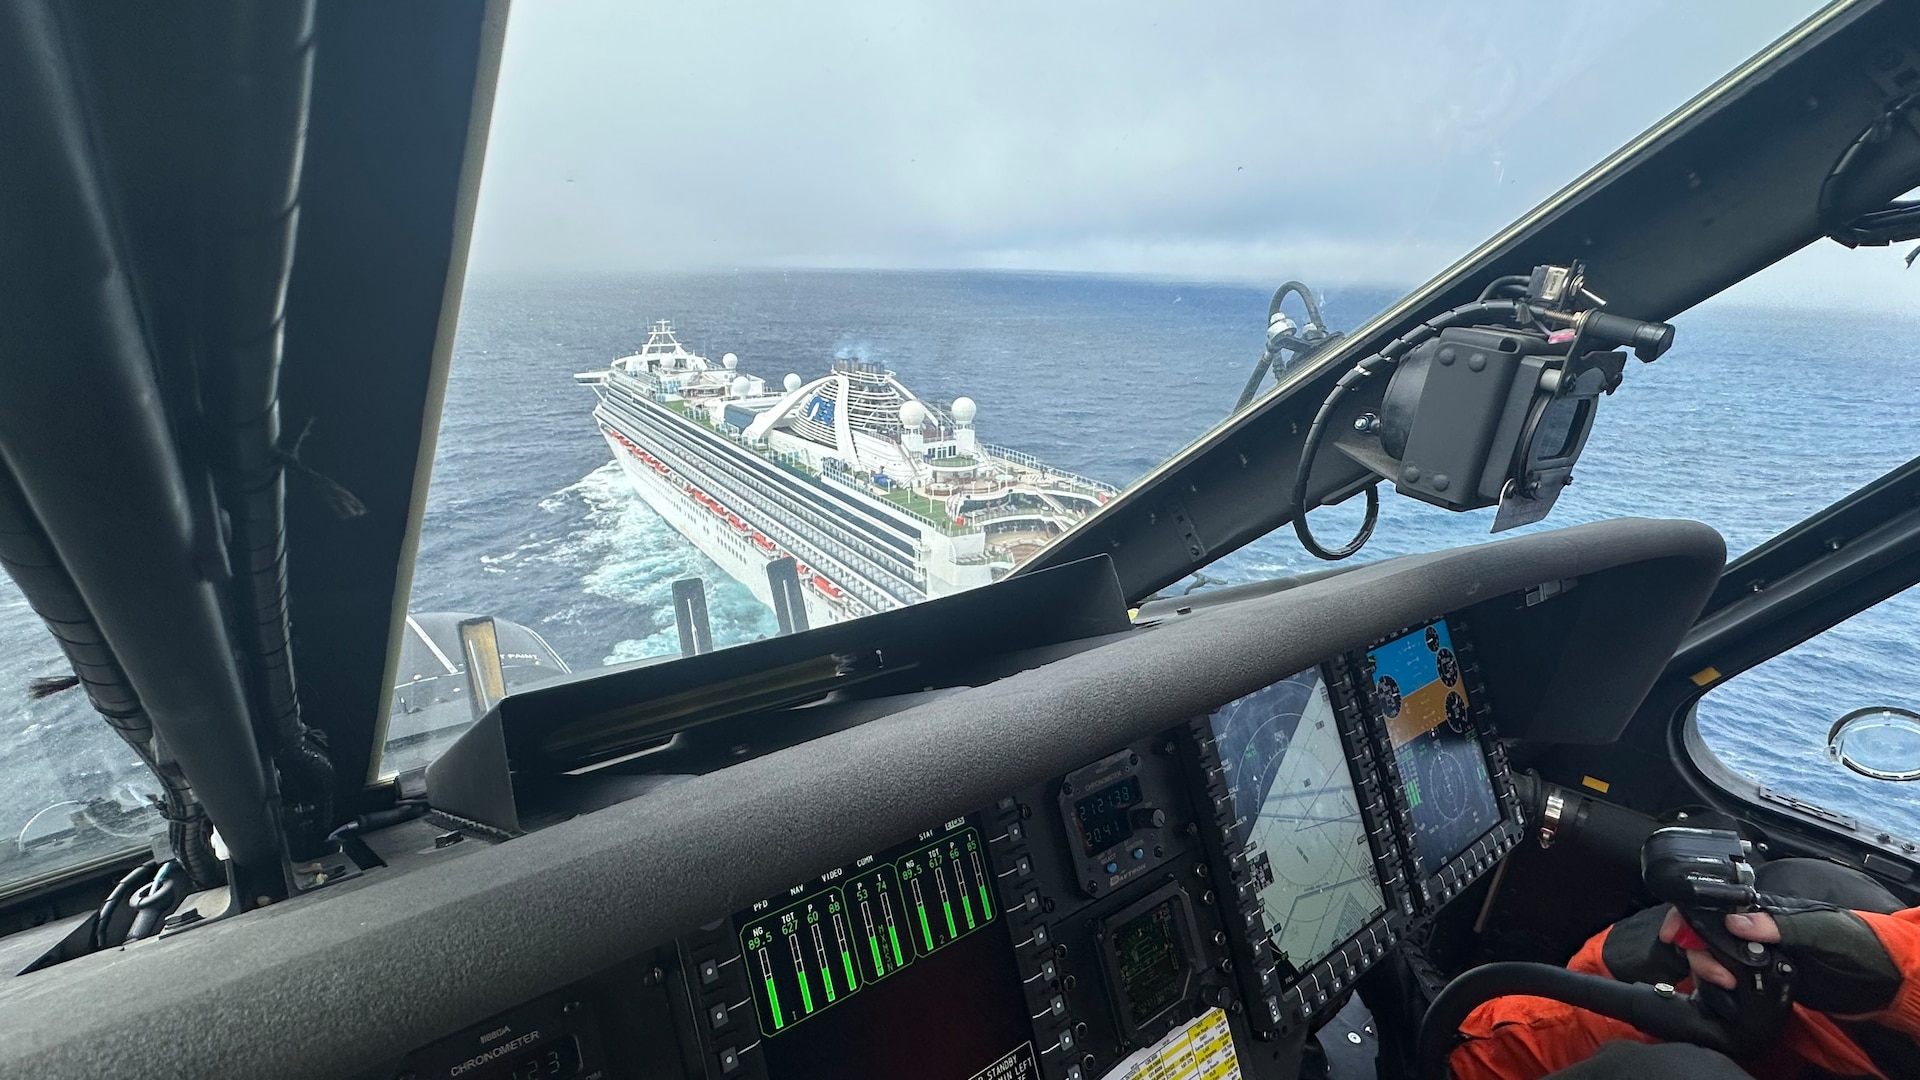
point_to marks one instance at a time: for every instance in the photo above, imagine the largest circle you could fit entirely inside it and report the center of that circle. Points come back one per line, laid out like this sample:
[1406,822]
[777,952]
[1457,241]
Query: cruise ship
[882,498]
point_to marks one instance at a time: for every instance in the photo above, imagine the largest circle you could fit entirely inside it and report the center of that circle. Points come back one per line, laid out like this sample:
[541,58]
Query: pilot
[1856,995]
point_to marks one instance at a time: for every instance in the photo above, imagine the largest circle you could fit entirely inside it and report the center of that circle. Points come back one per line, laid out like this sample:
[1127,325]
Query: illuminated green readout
[979,874]
[941,877]
[874,909]
[843,932]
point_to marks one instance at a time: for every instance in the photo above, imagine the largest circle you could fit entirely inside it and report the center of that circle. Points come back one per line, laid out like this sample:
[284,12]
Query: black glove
[1633,951]
[1841,965]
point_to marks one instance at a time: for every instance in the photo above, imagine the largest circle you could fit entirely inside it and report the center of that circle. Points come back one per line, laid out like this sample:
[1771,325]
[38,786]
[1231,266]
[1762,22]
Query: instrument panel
[1217,888]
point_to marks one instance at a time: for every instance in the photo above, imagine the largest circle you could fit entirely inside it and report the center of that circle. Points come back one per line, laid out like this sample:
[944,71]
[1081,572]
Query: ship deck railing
[1037,513]
[919,507]
[1034,463]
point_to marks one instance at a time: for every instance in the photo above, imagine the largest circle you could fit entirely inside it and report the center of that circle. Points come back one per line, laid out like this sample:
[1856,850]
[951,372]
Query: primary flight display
[1423,699]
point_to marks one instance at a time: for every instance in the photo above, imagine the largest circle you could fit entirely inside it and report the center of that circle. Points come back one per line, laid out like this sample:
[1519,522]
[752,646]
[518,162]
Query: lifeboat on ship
[765,544]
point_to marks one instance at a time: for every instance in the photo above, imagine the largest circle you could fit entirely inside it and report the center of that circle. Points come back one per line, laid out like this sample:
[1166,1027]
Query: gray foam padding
[338,981]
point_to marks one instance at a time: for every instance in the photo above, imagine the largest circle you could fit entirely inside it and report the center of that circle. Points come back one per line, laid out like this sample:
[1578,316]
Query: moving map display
[1298,816]
[1423,700]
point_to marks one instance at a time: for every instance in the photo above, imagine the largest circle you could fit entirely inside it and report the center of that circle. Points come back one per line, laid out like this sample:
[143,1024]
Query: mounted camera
[1489,404]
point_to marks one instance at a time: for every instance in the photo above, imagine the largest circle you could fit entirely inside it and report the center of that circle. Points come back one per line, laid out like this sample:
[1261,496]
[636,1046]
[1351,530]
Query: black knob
[1149,817]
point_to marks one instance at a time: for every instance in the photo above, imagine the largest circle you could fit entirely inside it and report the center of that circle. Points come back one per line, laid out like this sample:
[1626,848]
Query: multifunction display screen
[896,965]
[1421,696]
[1298,816]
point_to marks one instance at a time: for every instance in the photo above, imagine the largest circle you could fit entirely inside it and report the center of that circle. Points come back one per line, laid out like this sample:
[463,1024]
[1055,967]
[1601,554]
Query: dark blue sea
[1756,418]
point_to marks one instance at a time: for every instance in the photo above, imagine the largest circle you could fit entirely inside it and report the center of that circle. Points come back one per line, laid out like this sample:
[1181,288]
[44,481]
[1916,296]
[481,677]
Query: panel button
[1016,832]
[1023,866]
[729,1061]
[717,1015]
[1113,868]
[1040,935]
[709,972]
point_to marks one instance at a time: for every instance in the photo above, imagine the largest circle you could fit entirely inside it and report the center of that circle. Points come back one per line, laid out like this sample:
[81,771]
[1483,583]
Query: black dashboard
[1172,849]
[1225,880]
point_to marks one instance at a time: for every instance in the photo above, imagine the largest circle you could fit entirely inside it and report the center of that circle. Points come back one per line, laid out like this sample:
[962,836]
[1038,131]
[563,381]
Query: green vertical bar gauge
[979,875]
[872,910]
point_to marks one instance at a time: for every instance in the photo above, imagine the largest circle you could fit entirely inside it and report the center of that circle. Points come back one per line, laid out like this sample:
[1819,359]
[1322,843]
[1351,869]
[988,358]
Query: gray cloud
[1350,142]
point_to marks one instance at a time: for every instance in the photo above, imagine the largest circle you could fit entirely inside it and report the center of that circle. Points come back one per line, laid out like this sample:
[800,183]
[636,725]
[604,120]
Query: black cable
[1502,283]
[1275,346]
[1389,355]
[1897,221]
[110,907]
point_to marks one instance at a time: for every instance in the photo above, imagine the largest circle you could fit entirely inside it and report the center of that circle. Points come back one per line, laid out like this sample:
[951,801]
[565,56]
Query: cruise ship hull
[733,551]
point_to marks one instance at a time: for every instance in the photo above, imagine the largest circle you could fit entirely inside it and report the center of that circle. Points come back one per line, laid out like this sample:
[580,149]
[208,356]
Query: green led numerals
[800,959]
[947,892]
[879,919]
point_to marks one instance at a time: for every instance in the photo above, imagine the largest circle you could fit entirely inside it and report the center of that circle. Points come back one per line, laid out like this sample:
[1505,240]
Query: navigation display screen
[896,965]
[1419,692]
[1298,816]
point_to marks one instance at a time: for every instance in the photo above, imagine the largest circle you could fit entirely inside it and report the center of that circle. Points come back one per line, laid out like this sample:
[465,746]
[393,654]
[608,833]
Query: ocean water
[1757,418]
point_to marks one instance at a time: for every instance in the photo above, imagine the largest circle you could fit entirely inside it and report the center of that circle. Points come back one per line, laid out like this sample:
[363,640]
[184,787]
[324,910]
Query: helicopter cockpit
[1070,822]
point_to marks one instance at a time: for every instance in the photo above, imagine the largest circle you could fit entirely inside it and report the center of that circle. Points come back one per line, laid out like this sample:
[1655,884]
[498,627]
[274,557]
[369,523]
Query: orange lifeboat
[765,544]
[735,521]
[826,587]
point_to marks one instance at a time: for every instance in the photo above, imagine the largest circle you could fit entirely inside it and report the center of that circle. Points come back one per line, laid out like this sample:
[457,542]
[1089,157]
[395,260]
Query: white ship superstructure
[883,499]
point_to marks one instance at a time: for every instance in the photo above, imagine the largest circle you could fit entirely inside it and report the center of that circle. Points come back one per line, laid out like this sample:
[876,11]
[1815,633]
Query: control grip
[1755,1011]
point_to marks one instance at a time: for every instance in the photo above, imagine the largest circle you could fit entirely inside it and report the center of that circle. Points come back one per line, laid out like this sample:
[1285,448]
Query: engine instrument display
[1297,815]
[1423,700]
[898,964]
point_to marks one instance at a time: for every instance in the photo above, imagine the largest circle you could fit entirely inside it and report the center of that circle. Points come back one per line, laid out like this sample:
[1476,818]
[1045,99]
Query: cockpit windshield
[832,312]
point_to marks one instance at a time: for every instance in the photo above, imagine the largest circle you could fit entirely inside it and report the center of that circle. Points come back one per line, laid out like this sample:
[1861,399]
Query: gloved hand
[1634,950]
[1843,968]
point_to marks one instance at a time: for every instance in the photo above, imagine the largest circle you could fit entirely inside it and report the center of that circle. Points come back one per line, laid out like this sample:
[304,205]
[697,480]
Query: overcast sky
[1340,142]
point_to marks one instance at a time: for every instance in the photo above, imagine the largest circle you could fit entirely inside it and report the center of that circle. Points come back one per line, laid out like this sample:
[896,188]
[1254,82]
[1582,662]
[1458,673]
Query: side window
[1772,723]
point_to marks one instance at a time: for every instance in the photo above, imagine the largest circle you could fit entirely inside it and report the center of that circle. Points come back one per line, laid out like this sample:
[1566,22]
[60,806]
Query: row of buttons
[1366,753]
[720,992]
[1034,950]
[1257,980]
